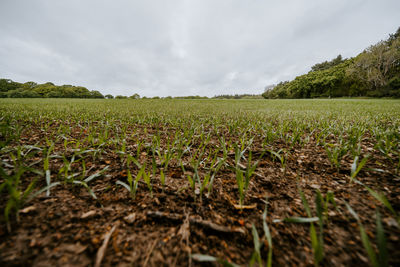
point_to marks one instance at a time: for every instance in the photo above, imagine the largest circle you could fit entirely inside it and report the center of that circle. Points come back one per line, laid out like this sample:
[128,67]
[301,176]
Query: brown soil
[68,228]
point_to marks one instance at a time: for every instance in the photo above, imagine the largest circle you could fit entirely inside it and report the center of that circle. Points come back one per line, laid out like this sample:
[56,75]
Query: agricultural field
[199,182]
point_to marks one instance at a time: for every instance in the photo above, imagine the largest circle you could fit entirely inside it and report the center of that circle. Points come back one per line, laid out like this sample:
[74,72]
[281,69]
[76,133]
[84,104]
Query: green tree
[376,66]
[8,85]
[135,96]
[327,64]
[375,72]
[95,94]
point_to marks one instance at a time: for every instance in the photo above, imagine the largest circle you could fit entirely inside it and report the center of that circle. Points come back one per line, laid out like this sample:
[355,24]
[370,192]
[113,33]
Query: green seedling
[329,198]
[382,259]
[267,234]
[317,242]
[162,179]
[17,198]
[46,166]
[382,199]
[256,256]
[240,184]
[282,156]
[335,153]
[147,179]
[204,185]
[195,162]
[383,255]
[357,166]
[243,177]
[219,164]
[132,185]
[192,183]
[67,166]
[85,182]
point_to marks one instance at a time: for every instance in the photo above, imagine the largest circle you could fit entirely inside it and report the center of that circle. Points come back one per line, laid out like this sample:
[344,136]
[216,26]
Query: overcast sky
[183,47]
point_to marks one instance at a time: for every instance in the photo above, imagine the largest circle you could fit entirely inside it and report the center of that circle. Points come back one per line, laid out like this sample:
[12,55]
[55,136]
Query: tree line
[373,73]
[11,89]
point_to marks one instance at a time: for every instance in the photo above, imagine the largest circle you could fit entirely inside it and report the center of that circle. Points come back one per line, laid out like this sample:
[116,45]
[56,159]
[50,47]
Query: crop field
[199,182]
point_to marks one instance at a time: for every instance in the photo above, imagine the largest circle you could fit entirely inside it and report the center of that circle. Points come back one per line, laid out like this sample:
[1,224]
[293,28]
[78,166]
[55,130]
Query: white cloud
[183,47]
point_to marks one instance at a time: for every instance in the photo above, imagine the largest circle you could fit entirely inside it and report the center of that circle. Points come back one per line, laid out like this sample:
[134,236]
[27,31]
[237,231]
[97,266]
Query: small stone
[130,218]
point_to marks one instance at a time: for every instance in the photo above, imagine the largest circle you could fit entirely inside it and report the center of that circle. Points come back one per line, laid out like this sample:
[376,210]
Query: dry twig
[102,249]
[192,220]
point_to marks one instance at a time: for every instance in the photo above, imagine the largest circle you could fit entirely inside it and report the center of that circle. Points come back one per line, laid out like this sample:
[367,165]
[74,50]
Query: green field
[244,181]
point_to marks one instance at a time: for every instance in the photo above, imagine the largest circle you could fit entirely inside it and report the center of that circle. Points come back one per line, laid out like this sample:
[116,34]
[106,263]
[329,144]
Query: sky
[183,47]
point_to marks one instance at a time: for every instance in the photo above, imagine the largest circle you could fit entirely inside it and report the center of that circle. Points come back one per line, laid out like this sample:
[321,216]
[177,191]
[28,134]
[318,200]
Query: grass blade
[381,241]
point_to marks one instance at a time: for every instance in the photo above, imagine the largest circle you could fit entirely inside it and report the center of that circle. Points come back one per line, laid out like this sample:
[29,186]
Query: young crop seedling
[16,197]
[203,185]
[84,182]
[256,256]
[166,155]
[192,182]
[317,241]
[335,153]
[132,185]
[46,166]
[357,166]
[243,177]
[383,200]
[218,165]
[147,179]
[382,259]
[388,142]
[195,163]
[267,234]
[282,155]
[162,180]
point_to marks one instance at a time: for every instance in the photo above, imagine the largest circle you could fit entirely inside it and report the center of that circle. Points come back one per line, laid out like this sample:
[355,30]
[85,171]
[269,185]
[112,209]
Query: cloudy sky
[183,47]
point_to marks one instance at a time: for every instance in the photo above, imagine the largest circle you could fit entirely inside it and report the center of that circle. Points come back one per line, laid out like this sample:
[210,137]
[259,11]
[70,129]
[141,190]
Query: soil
[69,227]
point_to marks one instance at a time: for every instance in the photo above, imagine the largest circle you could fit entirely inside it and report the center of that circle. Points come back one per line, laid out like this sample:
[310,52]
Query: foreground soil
[69,227]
